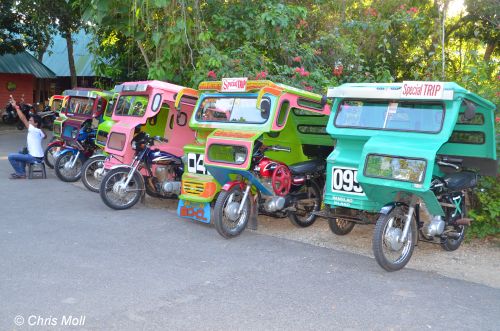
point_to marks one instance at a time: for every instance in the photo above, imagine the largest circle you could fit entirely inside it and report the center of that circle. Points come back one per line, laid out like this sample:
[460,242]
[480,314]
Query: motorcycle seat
[308,167]
[460,180]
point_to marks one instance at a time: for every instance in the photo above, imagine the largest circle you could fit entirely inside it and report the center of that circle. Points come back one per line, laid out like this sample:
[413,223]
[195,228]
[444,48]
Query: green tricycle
[406,156]
[265,143]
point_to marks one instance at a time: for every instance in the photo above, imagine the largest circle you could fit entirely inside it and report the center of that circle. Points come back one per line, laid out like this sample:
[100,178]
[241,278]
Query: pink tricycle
[146,144]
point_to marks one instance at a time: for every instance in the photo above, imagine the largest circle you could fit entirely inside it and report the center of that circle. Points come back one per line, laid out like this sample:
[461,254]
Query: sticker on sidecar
[344,181]
[196,164]
[199,211]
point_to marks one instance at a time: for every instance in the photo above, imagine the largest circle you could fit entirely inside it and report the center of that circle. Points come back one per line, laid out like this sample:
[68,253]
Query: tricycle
[406,157]
[265,144]
[84,112]
[146,113]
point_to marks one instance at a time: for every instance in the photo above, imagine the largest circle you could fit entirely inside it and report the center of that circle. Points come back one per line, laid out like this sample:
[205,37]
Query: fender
[55,143]
[232,184]
[68,150]
[98,155]
[390,206]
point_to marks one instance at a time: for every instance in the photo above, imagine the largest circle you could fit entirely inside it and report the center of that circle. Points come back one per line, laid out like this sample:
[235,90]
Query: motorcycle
[280,191]
[156,172]
[10,115]
[48,117]
[402,220]
[69,161]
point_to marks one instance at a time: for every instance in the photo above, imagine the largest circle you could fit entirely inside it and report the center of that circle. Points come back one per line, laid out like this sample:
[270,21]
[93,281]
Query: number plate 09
[344,181]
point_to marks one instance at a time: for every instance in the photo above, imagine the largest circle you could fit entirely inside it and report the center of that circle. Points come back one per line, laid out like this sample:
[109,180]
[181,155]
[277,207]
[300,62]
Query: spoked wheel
[340,226]
[115,194]
[92,173]
[50,155]
[304,216]
[66,170]
[226,218]
[391,253]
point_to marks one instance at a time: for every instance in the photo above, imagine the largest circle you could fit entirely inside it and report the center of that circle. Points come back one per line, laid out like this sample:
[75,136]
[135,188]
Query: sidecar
[149,106]
[229,117]
[389,138]
[58,104]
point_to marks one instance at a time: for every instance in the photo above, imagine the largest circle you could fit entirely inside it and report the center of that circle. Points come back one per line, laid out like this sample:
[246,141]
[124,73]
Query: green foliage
[486,213]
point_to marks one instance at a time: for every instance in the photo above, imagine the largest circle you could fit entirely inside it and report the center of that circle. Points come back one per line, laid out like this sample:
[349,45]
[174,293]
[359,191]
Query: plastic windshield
[80,105]
[233,110]
[392,116]
[132,105]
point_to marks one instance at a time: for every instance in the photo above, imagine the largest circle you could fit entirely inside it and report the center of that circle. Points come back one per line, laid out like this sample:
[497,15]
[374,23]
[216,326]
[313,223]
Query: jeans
[18,162]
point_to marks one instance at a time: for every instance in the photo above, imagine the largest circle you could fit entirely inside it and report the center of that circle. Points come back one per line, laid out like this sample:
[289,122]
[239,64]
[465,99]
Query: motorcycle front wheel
[303,216]
[93,172]
[49,156]
[390,253]
[65,171]
[340,226]
[113,192]
[228,222]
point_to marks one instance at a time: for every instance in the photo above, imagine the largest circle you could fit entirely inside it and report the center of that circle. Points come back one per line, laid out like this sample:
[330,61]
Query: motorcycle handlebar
[447,164]
[279,148]
[158,138]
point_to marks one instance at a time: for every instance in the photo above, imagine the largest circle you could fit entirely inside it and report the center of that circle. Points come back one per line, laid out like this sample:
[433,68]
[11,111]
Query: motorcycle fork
[74,158]
[409,216]
[245,196]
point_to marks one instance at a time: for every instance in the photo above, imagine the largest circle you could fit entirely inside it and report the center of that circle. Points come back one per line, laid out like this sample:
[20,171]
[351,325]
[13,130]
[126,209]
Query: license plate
[199,211]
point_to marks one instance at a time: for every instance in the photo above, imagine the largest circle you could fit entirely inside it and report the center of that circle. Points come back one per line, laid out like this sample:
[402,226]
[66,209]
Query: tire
[223,224]
[20,126]
[340,226]
[6,120]
[48,155]
[304,217]
[450,244]
[381,240]
[68,174]
[90,173]
[124,200]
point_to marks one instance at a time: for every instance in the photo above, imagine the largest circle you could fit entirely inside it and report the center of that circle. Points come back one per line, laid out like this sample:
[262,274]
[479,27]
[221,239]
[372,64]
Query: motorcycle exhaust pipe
[463,221]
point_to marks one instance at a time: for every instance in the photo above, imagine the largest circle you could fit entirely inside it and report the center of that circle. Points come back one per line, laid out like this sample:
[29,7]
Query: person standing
[34,143]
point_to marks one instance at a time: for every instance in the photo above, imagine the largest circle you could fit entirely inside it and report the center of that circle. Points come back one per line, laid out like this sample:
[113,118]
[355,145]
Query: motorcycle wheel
[93,172]
[390,254]
[20,126]
[48,123]
[304,216]
[48,155]
[340,226]
[6,119]
[110,190]
[64,172]
[450,244]
[226,222]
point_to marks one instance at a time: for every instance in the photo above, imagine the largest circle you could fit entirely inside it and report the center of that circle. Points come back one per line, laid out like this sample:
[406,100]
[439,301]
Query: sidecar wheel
[226,222]
[391,254]
[65,173]
[113,197]
[304,214]
[450,244]
[340,226]
[90,173]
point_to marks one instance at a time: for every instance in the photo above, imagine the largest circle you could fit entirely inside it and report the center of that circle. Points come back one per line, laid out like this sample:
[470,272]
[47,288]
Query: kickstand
[252,222]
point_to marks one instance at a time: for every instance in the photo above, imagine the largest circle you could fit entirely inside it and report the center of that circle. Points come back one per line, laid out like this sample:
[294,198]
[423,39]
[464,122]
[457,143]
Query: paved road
[63,252]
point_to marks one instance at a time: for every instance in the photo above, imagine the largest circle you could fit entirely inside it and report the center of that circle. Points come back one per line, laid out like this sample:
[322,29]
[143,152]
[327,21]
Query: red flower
[371,12]
[309,88]
[412,10]
[497,119]
[297,59]
[261,75]
[338,70]
[302,72]
[211,74]
[302,23]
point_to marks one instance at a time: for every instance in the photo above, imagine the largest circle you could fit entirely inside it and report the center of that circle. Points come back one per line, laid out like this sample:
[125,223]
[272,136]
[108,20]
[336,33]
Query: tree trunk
[71,59]
[490,48]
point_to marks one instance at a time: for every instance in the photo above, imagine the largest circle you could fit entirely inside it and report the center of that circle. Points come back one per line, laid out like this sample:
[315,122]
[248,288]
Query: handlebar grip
[281,148]
[158,138]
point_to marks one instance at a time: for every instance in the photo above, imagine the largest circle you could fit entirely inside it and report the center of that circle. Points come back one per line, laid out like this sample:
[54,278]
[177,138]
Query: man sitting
[34,143]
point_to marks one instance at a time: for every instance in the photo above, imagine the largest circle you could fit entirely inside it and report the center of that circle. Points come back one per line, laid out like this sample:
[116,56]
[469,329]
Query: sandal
[16,176]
